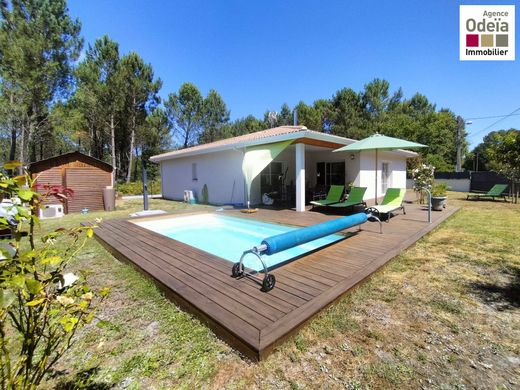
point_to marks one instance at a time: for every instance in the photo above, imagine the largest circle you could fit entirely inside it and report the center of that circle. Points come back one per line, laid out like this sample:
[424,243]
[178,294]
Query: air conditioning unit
[189,197]
[51,211]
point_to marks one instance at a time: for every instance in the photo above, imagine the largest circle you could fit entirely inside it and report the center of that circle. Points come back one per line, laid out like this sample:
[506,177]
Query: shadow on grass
[85,380]
[502,296]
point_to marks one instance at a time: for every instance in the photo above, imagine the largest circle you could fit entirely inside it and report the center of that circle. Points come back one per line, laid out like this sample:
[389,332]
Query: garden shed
[85,175]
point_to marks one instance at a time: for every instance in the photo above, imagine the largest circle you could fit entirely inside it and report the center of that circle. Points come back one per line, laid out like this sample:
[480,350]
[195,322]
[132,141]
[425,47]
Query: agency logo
[487,32]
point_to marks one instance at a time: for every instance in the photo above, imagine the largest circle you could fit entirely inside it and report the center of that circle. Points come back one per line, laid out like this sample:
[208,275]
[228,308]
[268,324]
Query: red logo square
[472,40]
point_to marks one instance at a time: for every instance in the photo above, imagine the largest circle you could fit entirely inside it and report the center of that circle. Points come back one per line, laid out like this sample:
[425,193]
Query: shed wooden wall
[86,180]
[87,184]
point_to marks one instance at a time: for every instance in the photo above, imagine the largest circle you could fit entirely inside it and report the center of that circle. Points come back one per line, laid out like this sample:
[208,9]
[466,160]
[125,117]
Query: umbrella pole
[376,178]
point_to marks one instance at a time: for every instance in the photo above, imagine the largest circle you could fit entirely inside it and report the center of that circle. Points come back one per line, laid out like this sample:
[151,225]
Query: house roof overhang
[298,134]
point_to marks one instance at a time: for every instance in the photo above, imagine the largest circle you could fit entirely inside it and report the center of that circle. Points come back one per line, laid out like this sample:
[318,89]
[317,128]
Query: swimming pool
[228,237]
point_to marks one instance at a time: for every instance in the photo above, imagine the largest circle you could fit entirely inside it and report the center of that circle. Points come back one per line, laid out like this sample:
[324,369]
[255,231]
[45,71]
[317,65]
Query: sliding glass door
[330,173]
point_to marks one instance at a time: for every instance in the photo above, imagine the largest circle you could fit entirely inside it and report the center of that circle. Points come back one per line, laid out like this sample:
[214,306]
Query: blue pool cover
[283,241]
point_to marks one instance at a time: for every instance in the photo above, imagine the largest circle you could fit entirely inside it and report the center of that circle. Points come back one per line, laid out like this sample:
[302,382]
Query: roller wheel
[236,271]
[268,283]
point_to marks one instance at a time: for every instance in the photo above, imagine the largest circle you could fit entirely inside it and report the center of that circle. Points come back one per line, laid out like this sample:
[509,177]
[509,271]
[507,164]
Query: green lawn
[444,314]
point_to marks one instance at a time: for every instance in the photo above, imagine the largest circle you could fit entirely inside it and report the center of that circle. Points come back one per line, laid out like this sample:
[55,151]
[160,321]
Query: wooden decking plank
[317,267]
[226,289]
[340,259]
[229,304]
[314,276]
[329,254]
[277,330]
[279,298]
[300,282]
[326,261]
[222,295]
[204,262]
[303,287]
[358,246]
[219,314]
[289,286]
[251,293]
[351,259]
[185,278]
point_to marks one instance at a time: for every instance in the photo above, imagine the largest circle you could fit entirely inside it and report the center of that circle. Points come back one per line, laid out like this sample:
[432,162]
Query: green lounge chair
[392,202]
[355,197]
[497,191]
[334,196]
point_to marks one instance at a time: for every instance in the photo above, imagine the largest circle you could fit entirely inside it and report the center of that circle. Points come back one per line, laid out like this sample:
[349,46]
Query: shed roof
[66,158]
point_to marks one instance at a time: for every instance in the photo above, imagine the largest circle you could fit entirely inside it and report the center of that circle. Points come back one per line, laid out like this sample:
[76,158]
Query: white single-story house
[289,163]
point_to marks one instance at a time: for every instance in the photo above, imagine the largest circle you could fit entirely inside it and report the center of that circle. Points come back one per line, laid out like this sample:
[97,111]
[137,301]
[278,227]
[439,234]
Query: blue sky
[260,54]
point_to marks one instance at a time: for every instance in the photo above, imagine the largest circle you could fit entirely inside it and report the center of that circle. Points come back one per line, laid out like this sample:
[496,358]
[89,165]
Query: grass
[444,314]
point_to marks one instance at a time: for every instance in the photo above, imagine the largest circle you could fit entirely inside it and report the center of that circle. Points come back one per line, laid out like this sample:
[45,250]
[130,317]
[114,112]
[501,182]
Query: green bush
[136,187]
[42,307]
[439,189]
[205,195]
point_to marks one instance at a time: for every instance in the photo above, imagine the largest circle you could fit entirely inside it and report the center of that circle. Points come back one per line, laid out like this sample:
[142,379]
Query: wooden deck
[252,321]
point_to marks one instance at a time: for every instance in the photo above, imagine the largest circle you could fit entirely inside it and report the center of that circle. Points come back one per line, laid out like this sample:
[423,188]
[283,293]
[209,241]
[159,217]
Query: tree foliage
[216,116]
[314,117]
[241,126]
[483,155]
[141,98]
[500,152]
[98,97]
[114,97]
[505,155]
[376,108]
[185,110]
[108,105]
[38,43]
[349,118]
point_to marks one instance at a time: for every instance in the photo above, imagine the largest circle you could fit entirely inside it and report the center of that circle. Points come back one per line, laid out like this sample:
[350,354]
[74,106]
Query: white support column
[300,177]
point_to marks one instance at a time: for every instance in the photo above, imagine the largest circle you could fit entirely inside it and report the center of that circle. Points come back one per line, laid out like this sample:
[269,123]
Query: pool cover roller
[287,240]
[281,242]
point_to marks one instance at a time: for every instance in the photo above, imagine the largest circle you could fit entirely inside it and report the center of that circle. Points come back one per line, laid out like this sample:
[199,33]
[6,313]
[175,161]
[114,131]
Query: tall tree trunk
[23,141]
[92,145]
[12,149]
[136,163]
[113,141]
[30,135]
[131,149]
[32,151]
[100,146]
[187,135]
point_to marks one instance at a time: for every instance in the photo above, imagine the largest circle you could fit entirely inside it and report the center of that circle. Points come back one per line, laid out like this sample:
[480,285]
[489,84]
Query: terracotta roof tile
[276,131]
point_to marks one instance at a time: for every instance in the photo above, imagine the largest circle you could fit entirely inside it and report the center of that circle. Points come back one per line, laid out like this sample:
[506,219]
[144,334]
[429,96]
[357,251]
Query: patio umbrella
[379,142]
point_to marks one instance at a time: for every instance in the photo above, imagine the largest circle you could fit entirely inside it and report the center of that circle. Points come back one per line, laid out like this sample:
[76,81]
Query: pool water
[228,237]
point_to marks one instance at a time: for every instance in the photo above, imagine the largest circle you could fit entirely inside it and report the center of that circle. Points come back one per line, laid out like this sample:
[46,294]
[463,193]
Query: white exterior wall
[221,172]
[459,185]
[397,170]
[352,170]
